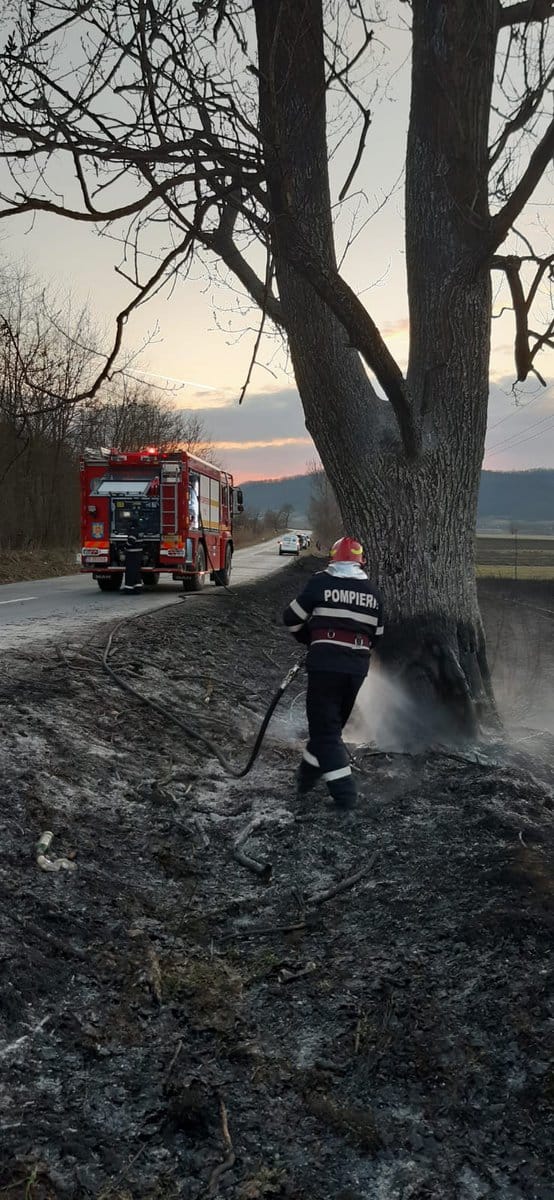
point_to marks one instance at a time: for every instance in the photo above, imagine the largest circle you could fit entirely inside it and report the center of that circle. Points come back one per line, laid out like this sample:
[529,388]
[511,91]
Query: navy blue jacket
[133,545]
[340,618]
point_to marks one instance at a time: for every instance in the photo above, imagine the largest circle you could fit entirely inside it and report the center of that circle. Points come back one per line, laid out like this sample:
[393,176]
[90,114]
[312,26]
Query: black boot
[343,793]
[306,778]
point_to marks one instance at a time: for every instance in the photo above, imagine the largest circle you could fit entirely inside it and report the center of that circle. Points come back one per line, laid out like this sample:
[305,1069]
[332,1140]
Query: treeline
[48,360]
[324,517]
[251,527]
[308,499]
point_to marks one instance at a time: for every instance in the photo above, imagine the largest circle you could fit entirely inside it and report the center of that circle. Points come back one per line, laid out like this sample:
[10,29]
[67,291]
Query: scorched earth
[323,1009]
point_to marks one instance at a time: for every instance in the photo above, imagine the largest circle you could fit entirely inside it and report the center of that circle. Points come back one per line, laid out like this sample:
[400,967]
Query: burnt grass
[163,1033]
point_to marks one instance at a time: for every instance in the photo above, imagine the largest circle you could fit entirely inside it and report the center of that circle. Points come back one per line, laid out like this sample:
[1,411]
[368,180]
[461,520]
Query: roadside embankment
[36,562]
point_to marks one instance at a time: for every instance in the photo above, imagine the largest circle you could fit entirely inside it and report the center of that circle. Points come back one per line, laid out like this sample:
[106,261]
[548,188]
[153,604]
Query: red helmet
[347,549]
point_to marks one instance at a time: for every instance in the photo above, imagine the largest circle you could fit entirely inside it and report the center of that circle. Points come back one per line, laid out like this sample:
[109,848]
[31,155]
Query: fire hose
[190,730]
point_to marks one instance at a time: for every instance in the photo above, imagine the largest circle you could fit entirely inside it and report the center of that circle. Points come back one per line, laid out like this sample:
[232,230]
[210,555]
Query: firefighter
[194,505]
[133,561]
[339,615]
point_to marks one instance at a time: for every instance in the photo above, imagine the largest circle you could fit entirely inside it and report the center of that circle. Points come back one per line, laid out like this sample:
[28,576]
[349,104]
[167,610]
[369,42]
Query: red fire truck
[180,507]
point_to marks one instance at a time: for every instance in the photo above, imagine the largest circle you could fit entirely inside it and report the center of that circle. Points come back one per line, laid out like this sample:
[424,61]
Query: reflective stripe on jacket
[340,616]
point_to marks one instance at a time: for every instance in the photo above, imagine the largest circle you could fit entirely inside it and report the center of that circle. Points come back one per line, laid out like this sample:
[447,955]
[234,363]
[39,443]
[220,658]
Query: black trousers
[133,565]
[329,702]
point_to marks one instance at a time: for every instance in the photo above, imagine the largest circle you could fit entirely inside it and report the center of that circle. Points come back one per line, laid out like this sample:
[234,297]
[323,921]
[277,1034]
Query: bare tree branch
[527,10]
[94,215]
[547,264]
[267,285]
[521,118]
[362,330]
[58,398]
[366,122]
[538,162]
[543,339]
[523,360]
[222,243]
[524,353]
[341,77]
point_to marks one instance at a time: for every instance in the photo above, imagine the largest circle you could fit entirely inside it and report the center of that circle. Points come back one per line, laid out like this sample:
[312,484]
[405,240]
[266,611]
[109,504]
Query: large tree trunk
[416,517]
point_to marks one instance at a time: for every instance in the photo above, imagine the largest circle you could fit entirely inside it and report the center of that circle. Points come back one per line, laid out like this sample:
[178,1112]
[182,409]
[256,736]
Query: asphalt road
[48,608]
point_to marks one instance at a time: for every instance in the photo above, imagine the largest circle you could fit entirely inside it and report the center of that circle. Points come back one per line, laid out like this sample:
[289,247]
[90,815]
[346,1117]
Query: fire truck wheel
[223,578]
[111,583]
[151,579]
[195,583]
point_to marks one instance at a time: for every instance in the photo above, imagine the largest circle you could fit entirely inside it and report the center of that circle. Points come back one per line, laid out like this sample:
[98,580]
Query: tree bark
[416,517]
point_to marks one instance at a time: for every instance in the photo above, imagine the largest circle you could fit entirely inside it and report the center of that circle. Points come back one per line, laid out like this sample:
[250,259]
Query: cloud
[262,417]
[398,328]
[266,436]
[261,445]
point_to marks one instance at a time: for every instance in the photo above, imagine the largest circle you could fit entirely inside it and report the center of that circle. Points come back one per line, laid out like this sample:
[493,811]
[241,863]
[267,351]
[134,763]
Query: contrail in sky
[205,387]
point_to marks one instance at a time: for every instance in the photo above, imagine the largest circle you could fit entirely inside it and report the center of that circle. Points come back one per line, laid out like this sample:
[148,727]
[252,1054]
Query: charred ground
[158,1023]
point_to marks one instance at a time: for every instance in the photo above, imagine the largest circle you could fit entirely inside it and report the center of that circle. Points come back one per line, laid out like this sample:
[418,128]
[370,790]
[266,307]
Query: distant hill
[261,494]
[525,497]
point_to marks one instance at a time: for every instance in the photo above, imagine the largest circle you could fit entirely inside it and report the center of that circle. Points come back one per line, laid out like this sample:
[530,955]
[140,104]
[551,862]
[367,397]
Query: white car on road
[289,544]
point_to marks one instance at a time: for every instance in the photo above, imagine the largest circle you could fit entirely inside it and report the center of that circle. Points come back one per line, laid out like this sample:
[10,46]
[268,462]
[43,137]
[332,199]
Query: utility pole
[514,532]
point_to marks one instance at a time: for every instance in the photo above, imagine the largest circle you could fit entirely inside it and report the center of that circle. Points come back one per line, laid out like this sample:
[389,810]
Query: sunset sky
[199,334]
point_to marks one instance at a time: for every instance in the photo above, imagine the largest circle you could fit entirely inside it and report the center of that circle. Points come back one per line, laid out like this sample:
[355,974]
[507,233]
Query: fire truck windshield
[123,487]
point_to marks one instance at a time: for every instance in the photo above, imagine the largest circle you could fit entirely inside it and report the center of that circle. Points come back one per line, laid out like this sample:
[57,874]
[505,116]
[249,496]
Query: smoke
[520,637]
[382,714]
[289,724]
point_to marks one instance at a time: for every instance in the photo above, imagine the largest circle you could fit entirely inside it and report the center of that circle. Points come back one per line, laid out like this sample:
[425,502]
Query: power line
[531,438]
[534,425]
[510,443]
[515,411]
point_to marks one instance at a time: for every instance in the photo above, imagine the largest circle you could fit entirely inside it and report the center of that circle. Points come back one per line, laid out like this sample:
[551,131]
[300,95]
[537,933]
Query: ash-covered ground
[173,1024]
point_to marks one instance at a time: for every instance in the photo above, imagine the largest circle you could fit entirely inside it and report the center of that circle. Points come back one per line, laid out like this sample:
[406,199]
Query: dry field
[499,557]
